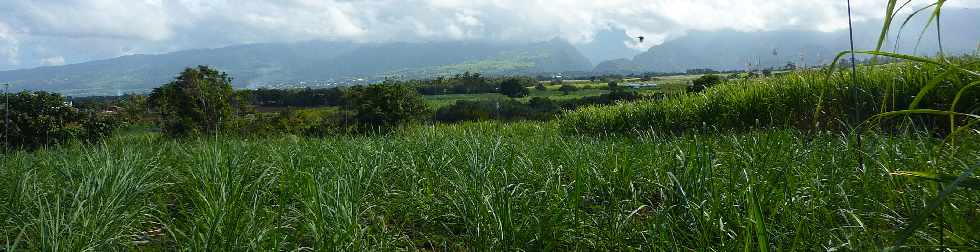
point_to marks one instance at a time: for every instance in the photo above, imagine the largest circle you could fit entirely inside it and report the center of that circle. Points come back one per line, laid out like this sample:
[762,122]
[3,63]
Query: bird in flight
[640,38]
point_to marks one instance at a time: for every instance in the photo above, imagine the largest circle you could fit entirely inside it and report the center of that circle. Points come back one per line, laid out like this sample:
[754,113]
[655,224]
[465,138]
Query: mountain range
[738,50]
[275,64]
[319,63]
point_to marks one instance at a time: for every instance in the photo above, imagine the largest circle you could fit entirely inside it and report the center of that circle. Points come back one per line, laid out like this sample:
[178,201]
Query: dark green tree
[386,105]
[540,87]
[198,101]
[513,88]
[704,82]
[134,109]
[41,118]
[567,89]
[614,86]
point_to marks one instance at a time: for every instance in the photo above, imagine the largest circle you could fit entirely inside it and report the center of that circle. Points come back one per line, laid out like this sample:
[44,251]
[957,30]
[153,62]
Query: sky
[56,32]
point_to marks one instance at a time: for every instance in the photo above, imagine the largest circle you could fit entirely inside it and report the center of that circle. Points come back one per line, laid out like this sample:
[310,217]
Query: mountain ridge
[323,62]
[736,50]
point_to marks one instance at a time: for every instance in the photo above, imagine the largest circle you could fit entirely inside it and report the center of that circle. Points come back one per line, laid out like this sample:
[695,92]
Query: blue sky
[55,32]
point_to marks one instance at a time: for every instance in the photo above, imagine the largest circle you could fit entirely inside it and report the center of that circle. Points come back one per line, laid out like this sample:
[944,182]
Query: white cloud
[9,45]
[53,61]
[149,26]
[145,20]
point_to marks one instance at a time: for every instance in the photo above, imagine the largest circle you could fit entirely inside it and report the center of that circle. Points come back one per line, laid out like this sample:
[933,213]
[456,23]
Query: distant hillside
[264,64]
[729,50]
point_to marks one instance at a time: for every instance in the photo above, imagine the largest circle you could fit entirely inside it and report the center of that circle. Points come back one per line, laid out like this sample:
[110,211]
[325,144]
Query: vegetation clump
[198,101]
[386,105]
[567,88]
[514,88]
[39,118]
[704,82]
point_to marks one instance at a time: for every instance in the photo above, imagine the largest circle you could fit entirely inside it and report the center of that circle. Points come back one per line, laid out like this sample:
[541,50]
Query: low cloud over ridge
[33,32]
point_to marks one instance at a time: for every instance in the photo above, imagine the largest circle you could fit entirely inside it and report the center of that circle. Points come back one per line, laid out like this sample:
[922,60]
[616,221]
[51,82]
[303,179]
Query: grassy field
[805,100]
[438,101]
[761,164]
[482,186]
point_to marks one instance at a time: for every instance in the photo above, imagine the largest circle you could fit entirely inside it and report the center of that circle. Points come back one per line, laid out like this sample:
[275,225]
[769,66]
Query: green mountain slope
[323,62]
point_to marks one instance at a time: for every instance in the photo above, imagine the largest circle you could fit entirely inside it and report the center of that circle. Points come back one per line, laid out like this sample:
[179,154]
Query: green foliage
[198,101]
[479,187]
[466,83]
[386,105]
[567,88]
[704,82]
[514,88]
[806,100]
[614,86]
[537,108]
[135,109]
[504,110]
[964,79]
[40,118]
[306,97]
[540,87]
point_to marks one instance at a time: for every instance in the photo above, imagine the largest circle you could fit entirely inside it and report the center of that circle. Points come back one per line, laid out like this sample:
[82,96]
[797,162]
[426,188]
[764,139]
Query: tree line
[201,101]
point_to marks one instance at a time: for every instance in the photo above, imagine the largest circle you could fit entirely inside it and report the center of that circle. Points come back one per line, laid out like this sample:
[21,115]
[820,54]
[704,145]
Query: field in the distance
[478,186]
[438,101]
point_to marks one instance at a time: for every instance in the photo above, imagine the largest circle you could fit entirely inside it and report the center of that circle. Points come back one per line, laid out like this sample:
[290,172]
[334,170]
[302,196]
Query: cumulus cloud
[153,26]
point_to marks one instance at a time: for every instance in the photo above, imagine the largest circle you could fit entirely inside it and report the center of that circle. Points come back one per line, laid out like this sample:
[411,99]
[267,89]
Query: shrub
[614,86]
[386,105]
[704,82]
[41,118]
[567,89]
[540,87]
[604,99]
[513,88]
[506,110]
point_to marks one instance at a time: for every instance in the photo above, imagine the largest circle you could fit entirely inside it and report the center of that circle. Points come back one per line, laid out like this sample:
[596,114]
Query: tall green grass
[482,186]
[808,100]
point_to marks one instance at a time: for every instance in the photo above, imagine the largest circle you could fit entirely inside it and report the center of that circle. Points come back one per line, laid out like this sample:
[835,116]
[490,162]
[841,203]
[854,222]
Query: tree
[386,105]
[540,87]
[567,89]
[134,109]
[41,118]
[513,88]
[197,101]
[704,82]
[614,86]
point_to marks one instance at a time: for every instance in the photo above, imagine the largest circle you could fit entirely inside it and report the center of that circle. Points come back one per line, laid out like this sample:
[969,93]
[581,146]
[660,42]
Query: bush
[513,88]
[540,87]
[614,86]
[198,101]
[41,118]
[567,89]
[386,105]
[704,82]
[506,110]
[538,108]
[604,99]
